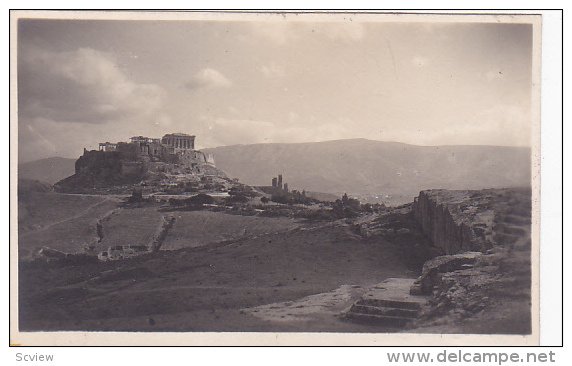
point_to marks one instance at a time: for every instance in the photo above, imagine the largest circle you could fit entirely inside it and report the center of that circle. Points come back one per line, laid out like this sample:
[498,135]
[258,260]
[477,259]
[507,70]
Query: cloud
[41,137]
[501,124]
[82,86]
[280,33]
[209,78]
[345,32]
[494,75]
[272,71]
[419,61]
[225,131]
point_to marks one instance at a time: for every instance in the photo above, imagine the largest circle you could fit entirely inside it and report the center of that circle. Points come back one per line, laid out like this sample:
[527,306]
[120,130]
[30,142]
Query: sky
[81,82]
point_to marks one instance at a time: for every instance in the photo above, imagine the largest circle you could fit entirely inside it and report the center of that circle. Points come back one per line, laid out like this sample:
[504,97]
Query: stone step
[512,229]
[388,303]
[372,319]
[516,219]
[522,244]
[398,304]
[519,210]
[375,310]
[504,238]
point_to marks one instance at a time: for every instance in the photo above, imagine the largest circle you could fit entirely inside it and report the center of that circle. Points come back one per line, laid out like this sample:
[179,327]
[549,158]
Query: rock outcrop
[102,169]
[433,268]
[456,221]
[486,291]
[469,220]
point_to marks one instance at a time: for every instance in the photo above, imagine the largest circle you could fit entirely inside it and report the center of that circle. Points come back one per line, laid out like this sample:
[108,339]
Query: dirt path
[199,228]
[330,303]
[73,217]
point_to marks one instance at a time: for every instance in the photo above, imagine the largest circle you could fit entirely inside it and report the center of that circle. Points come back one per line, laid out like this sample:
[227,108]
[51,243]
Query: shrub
[317,215]
[242,191]
[175,202]
[201,199]
[279,198]
[174,190]
[237,198]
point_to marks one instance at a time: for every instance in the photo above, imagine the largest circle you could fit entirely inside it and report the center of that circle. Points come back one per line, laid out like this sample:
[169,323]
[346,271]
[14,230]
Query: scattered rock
[434,267]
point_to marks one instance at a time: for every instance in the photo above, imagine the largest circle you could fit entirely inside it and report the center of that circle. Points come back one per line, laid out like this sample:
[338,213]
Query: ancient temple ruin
[171,147]
[142,158]
[278,184]
[179,141]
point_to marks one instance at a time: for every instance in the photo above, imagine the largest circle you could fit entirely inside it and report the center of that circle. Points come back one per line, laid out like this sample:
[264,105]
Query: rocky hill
[361,166]
[131,164]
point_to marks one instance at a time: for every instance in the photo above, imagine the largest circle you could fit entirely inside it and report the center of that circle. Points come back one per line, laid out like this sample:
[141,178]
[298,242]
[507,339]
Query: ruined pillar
[286,187]
[274,182]
[280,181]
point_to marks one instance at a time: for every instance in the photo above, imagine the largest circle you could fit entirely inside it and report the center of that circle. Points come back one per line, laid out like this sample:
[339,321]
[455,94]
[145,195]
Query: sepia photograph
[365,176]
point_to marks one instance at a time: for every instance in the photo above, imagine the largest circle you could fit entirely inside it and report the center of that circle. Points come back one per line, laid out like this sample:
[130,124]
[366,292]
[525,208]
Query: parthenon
[179,141]
[172,144]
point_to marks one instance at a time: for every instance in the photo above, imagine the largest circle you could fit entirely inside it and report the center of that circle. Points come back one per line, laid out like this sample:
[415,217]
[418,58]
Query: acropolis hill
[160,162]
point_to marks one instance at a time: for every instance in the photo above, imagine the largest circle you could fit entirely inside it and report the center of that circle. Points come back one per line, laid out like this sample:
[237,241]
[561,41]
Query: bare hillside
[49,170]
[361,166]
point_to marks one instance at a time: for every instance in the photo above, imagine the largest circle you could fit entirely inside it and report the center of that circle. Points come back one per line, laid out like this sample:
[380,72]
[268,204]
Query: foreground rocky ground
[210,288]
[281,274]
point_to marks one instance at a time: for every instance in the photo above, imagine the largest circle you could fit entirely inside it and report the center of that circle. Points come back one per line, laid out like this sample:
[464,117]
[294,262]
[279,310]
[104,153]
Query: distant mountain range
[362,167]
[49,170]
[356,166]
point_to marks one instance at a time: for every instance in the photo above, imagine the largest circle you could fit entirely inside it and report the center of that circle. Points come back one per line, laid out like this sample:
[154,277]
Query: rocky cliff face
[474,220]
[485,291]
[101,169]
[106,170]
[455,221]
